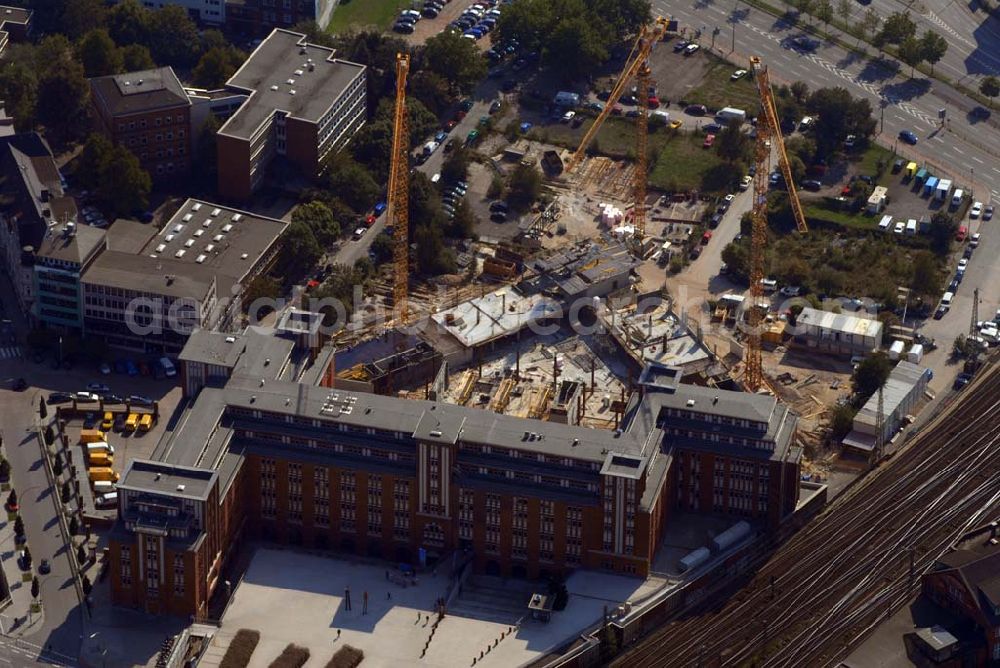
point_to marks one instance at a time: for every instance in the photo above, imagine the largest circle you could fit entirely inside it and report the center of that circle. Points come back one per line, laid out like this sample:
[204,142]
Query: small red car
[653,102]
[709,140]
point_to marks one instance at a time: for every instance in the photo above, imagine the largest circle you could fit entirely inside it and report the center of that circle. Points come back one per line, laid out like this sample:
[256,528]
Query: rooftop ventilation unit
[180,488]
[230,339]
[274,87]
[244,256]
[198,233]
[161,248]
[298,73]
[200,258]
[168,238]
[187,217]
[196,206]
[436,433]
[226,228]
[215,212]
[180,253]
[690,402]
[207,222]
[237,217]
[290,82]
[209,248]
[189,243]
[217,237]
[178,229]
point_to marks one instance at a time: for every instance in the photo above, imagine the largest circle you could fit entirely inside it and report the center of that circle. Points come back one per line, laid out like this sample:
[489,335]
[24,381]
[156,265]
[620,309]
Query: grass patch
[822,210]
[717,91]
[682,164]
[293,656]
[874,156]
[365,13]
[240,649]
[346,657]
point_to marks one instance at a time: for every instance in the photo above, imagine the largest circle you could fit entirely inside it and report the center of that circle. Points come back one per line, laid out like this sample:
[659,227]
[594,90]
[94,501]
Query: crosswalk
[10,352]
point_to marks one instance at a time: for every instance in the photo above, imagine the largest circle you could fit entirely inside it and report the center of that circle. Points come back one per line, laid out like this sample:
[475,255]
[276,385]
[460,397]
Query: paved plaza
[293,597]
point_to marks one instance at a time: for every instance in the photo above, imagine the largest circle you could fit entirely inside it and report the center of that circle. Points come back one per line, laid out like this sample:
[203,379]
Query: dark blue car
[908,136]
[379,208]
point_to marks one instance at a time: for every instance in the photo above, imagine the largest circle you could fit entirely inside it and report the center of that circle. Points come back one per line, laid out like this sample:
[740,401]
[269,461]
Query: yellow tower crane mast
[636,68]
[768,133]
[398,194]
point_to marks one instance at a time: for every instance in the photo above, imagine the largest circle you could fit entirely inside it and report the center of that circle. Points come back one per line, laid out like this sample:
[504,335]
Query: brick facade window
[126,565]
[268,500]
[178,575]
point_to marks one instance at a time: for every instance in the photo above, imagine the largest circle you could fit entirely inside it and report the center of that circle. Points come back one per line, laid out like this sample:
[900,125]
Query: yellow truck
[101,458]
[132,422]
[102,473]
[146,422]
[91,435]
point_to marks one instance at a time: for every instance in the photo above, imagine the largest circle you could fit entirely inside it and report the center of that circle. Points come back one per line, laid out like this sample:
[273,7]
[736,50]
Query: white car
[962,264]
[791,291]
[690,48]
[728,199]
[976,210]
[568,116]
[900,228]
[360,232]
[738,74]
[745,183]
[974,240]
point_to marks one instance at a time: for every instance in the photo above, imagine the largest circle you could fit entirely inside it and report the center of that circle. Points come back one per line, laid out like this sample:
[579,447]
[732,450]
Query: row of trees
[572,37]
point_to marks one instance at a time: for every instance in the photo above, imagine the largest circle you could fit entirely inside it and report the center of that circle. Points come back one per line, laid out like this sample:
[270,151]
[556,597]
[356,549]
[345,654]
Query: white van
[946,298]
[956,199]
[911,227]
[103,487]
[107,500]
[885,223]
[100,446]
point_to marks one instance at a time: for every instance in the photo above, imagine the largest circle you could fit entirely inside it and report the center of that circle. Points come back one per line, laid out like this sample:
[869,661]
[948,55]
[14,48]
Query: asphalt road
[967,150]
[62,627]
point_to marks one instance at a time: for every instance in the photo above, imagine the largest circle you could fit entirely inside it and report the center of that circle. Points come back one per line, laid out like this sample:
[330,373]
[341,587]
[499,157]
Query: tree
[206,167]
[839,115]
[19,91]
[86,585]
[463,223]
[63,95]
[130,23]
[314,33]
[842,421]
[432,90]
[136,57]
[81,555]
[455,167]
[942,231]
[49,435]
[737,259]
[217,65]
[896,29]
[824,11]
[732,144]
[18,526]
[990,87]
[99,54]
[66,492]
[35,588]
[4,469]
[57,466]
[300,251]
[352,182]
[910,53]
[319,219]
[456,59]
[382,247]
[575,48]
[793,270]
[432,256]
[173,37]
[844,9]
[932,48]
[12,499]
[869,24]
[43,411]
[871,374]
[26,559]
[74,526]
[125,185]
[524,188]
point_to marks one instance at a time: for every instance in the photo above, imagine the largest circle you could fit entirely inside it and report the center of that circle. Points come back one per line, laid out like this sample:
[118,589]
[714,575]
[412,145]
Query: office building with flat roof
[302,103]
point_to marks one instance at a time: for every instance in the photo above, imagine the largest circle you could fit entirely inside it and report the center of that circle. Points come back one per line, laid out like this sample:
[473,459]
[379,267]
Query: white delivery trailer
[916,353]
[896,349]
[942,190]
[727,114]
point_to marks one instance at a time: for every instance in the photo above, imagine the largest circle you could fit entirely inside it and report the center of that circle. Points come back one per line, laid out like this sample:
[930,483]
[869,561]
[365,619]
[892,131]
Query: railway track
[861,559]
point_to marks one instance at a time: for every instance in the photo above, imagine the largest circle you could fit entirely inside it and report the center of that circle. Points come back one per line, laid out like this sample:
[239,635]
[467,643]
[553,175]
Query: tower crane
[637,68]
[768,131]
[398,194]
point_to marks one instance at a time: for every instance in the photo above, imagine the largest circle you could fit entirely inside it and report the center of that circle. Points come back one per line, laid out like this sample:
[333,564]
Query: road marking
[978,160]
[958,150]
[9,353]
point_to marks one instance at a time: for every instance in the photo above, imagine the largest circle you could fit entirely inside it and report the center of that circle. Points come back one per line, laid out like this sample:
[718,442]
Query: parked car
[680,46]
[791,291]
[86,398]
[139,400]
[738,74]
[709,140]
[812,184]
[988,212]
[976,210]
[690,49]
[60,398]
[909,136]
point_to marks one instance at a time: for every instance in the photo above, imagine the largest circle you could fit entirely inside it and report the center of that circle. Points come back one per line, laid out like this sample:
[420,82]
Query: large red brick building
[283,458]
[149,113]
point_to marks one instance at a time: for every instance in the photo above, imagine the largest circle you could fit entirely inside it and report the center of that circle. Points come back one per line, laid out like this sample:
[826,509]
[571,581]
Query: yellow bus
[102,473]
[146,422]
[101,458]
[132,422]
[91,435]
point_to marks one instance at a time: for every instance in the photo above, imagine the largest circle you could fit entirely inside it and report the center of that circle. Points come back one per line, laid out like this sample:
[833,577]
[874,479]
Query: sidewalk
[17,618]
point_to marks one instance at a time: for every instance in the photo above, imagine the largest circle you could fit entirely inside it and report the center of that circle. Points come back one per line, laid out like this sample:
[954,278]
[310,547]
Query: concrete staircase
[494,599]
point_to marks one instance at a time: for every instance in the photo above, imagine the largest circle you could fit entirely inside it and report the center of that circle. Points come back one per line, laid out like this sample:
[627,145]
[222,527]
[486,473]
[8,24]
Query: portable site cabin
[877,200]
[915,354]
[924,225]
[922,175]
[896,349]
[911,169]
[885,224]
[930,185]
[943,189]
[911,227]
